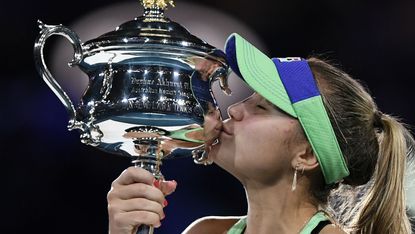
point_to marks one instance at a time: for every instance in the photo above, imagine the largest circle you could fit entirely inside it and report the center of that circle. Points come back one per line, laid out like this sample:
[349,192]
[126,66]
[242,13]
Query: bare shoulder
[332,229]
[212,225]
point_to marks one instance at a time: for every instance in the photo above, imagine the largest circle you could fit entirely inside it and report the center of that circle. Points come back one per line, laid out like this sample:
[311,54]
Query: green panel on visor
[316,124]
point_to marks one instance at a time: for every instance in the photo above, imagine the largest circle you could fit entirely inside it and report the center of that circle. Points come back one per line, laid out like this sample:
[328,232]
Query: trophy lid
[153,32]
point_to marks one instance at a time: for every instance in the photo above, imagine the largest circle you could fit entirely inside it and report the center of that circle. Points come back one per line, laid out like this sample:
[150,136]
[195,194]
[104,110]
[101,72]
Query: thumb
[168,186]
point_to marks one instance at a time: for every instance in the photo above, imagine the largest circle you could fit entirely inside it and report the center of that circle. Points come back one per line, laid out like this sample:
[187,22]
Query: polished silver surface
[148,72]
[149,88]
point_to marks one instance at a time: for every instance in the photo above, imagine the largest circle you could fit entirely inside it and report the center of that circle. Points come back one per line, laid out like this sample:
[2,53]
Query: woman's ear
[305,159]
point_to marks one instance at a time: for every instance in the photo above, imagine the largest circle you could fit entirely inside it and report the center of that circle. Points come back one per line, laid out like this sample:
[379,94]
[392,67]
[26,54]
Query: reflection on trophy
[149,88]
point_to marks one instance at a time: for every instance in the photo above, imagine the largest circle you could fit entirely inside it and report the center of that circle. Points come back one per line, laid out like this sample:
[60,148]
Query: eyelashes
[261,107]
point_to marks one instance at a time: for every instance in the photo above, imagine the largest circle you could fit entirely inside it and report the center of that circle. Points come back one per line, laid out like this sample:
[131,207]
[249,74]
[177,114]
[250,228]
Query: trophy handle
[199,154]
[45,33]
[221,74]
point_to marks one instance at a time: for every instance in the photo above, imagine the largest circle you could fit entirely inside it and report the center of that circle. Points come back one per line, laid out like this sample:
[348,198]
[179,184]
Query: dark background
[51,183]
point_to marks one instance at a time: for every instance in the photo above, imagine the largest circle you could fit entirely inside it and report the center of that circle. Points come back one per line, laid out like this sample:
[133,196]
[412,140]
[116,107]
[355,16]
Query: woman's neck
[277,209]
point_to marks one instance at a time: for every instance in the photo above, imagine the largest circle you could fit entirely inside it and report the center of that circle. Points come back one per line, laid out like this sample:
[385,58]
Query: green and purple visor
[289,84]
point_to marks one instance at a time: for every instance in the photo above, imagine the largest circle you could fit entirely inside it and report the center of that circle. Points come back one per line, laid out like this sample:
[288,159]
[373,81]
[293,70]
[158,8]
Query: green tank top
[239,227]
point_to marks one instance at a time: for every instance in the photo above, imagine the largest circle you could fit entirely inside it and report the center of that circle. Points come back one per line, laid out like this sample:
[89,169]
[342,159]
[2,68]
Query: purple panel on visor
[297,78]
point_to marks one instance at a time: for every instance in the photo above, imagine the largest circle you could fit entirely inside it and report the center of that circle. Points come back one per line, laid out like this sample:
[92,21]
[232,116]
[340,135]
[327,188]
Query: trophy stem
[151,165]
[149,158]
[145,229]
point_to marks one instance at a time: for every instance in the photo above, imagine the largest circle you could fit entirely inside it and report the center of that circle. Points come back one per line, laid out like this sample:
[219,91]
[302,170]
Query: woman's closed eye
[261,107]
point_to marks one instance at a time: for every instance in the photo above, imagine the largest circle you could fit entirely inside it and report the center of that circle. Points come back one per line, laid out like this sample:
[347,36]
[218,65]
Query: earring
[294,184]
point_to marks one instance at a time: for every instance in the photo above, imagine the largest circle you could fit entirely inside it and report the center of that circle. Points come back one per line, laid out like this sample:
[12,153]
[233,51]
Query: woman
[308,131]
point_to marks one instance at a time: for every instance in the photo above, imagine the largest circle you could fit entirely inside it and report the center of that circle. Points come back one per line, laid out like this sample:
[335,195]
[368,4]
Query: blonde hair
[375,146]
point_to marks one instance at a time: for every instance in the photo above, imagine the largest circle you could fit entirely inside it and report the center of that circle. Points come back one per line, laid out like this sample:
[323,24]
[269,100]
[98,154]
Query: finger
[136,204]
[136,218]
[134,175]
[168,186]
[137,190]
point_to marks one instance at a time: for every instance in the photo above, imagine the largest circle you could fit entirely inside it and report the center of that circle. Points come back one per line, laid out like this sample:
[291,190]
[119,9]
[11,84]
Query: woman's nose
[235,111]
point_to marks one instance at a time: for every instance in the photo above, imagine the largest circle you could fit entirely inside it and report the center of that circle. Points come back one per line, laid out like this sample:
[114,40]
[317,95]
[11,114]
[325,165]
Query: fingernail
[163,216]
[165,203]
[156,183]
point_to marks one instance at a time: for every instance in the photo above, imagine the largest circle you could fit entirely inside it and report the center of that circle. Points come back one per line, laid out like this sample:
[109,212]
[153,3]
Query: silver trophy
[149,88]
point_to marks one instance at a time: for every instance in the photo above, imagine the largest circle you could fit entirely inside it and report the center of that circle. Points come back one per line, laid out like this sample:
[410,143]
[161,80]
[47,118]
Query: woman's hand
[212,127]
[136,198]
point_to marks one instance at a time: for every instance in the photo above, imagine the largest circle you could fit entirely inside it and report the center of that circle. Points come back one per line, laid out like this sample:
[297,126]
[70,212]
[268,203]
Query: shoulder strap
[314,223]
[320,227]
[238,227]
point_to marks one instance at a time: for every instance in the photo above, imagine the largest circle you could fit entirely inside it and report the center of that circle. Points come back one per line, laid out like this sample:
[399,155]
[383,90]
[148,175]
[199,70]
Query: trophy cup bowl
[149,88]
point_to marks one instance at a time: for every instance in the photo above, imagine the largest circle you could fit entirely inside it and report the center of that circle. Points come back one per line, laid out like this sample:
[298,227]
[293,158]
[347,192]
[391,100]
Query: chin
[222,156]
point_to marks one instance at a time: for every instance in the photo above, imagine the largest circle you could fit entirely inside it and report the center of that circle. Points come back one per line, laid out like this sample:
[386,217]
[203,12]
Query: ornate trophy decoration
[149,88]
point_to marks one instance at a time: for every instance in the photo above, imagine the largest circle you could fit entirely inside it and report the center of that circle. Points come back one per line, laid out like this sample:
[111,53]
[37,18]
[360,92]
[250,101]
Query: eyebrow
[269,103]
[274,106]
